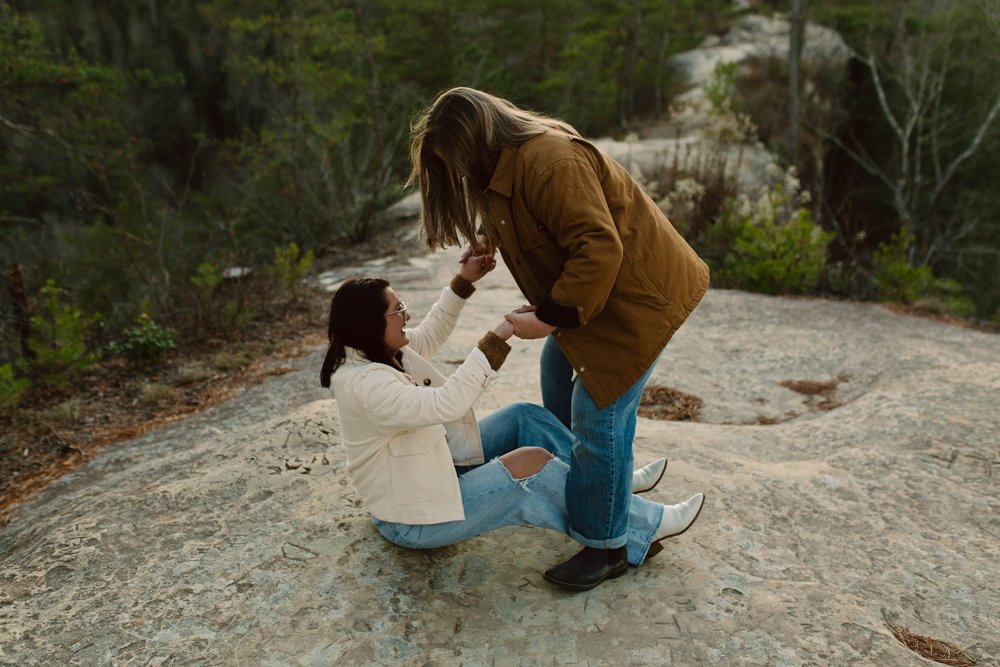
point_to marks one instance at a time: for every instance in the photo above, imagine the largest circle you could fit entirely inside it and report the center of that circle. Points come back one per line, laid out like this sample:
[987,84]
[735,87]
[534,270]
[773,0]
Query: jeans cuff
[612,543]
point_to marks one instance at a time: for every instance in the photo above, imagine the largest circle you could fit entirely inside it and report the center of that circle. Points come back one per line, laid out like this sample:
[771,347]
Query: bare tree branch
[33,132]
[882,100]
[969,151]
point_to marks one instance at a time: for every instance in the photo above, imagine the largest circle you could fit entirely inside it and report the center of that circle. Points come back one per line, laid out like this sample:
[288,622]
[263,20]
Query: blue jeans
[493,499]
[600,480]
[522,425]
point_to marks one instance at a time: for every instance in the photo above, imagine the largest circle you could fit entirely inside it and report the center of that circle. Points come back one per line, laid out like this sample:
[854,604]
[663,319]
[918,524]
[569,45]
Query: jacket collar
[355,357]
[503,176]
[502,181]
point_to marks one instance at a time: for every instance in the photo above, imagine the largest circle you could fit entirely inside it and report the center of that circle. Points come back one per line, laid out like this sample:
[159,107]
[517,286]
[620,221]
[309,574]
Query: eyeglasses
[400,309]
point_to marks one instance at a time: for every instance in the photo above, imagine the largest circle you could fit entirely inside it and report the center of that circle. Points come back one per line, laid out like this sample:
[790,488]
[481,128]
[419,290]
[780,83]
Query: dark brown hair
[357,319]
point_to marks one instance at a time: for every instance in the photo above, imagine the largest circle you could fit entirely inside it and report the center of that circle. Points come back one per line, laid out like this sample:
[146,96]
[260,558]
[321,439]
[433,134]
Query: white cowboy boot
[648,476]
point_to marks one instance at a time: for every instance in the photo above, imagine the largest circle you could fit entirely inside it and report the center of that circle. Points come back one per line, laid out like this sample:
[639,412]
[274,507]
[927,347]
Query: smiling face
[396,318]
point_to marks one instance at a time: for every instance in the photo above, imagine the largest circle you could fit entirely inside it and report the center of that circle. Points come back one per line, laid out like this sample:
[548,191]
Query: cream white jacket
[405,432]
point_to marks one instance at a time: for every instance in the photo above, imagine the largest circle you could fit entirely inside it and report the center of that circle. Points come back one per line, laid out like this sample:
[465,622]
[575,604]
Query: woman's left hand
[476,266]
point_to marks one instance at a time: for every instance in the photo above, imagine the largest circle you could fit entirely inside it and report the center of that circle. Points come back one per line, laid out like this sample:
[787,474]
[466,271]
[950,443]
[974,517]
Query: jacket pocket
[534,237]
[635,284]
[420,467]
[543,255]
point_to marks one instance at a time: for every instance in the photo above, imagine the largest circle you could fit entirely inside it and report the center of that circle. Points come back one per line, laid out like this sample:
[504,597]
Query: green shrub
[208,278]
[59,339]
[901,282]
[774,247]
[947,297]
[238,315]
[145,342]
[722,90]
[290,266]
[225,301]
[11,387]
[898,280]
[206,282]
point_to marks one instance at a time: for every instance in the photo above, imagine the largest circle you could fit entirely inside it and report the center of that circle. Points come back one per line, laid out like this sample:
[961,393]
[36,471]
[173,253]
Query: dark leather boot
[588,568]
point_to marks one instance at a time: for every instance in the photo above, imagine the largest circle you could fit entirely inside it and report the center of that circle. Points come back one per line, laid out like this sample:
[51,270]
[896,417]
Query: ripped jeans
[493,498]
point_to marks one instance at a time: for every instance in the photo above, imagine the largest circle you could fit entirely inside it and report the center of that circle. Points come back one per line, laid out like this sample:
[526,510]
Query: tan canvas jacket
[595,254]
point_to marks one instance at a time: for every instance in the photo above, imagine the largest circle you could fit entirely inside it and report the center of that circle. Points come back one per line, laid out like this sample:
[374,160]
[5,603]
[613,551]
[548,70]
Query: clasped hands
[477,262]
[524,324]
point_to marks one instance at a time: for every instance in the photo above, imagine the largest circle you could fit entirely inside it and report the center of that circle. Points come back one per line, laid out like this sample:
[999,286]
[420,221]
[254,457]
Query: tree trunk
[626,76]
[22,311]
[797,30]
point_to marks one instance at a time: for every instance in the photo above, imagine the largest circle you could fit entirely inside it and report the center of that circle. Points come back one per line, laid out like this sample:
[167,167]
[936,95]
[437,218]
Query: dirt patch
[820,395]
[669,404]
[54,433]
[826,390]
[768,421]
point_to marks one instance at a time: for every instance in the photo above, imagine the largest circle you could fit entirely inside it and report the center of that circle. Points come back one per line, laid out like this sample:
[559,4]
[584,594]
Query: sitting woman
[429,473]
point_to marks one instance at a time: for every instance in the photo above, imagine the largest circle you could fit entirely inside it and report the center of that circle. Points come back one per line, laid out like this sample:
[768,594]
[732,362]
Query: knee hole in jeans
[525,461]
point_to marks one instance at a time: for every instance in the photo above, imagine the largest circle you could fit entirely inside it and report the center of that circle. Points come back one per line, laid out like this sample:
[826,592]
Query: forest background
[171,170]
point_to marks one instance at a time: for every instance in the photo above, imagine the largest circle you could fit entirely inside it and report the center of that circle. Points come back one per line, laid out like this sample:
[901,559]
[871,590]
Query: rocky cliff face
[692,130]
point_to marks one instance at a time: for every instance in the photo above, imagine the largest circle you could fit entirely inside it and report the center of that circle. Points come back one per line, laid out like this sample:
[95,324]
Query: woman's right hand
[476,262]
[504,330]
[475,267]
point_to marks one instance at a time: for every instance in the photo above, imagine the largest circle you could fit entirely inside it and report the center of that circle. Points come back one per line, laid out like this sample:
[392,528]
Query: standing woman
[608,278]
[429,474]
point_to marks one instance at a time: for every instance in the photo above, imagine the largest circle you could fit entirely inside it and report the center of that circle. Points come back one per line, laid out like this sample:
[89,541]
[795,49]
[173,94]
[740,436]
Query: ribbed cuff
[462,287]
[495,348]
[556,314]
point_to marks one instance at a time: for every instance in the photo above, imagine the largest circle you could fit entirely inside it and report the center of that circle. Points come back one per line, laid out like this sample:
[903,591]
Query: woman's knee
[537,416]
[524,411]
[525,461]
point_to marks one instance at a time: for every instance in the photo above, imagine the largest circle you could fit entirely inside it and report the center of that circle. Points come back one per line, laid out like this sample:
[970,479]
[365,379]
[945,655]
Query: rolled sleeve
[495,348]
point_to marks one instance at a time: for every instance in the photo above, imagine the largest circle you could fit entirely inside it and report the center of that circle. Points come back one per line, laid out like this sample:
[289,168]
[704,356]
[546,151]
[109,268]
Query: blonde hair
[469,128]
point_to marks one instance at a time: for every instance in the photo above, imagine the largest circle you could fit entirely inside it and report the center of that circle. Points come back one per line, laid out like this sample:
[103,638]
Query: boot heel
[657,545]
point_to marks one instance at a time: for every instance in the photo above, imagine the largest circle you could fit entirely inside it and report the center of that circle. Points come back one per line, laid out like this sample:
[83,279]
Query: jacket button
[540,226]
[427,382]
[582,369]
[503,222]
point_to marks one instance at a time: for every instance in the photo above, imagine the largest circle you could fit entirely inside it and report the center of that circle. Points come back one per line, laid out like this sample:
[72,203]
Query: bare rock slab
[234,537]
